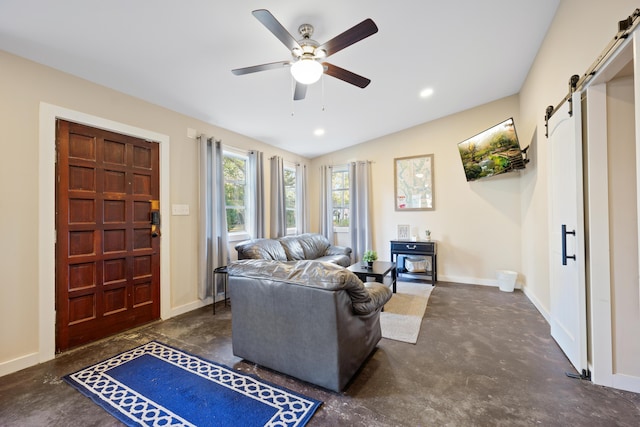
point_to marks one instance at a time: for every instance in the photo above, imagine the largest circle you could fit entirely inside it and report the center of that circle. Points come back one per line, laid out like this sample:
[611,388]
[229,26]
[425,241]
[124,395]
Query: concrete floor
[483,358]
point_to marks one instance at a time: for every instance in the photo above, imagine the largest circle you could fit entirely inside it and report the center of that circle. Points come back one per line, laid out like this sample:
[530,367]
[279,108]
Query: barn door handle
[564,244]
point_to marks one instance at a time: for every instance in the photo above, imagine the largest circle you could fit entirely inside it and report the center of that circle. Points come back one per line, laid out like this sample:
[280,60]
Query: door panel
[568,310]
[107,262]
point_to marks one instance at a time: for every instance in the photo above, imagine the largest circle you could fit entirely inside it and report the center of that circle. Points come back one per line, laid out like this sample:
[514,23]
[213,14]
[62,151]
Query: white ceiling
[179,54]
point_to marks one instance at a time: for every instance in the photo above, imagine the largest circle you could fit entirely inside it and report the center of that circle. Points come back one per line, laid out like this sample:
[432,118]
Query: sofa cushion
[308,246]
[313,245]
[261,249]
[291,246]
[322,275]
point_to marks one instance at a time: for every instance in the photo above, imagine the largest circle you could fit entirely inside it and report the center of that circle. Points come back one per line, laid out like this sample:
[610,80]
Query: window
[340,196]
[290,192]
[235,191]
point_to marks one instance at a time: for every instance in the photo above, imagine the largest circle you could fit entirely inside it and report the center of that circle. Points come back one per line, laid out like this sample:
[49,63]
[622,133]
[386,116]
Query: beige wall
[577,36]
[23,86]
[476,224]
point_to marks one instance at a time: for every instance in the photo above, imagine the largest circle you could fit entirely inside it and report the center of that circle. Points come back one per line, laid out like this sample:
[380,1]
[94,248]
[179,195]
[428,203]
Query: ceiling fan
[306,65]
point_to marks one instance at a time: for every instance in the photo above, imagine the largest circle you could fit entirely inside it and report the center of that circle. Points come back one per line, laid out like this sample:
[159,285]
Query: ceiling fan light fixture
[307,71]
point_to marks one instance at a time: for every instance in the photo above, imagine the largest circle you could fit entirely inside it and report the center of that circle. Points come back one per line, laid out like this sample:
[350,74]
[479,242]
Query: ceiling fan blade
[262,67]
[300,92]
[346,75]
[353,35]
[272,24]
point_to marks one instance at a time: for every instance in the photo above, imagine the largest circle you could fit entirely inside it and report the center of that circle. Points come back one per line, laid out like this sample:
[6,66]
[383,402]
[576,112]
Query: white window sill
[238,237]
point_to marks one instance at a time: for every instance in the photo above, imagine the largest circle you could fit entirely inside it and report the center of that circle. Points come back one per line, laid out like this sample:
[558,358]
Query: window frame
[344,170]
[291,167]
[249,190]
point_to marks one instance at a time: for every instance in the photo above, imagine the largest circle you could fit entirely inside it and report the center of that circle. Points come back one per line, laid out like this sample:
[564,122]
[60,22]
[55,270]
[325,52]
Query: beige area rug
[402,315]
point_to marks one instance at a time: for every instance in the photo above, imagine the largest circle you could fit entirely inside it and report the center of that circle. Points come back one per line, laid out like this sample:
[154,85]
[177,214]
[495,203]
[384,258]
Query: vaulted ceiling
[179,54]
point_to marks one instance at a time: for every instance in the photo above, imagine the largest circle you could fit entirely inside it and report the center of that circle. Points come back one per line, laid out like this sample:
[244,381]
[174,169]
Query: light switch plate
[179,209]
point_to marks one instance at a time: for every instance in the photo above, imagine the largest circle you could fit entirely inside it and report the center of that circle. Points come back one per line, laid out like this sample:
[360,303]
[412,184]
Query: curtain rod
[210,139]
[285,160]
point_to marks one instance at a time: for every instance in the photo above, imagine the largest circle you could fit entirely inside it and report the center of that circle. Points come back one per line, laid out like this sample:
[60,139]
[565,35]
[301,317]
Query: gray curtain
[360,208]
[302,204]
[212,242]
[222,239]
[205,250]
[326,203]
[256,172]
[278,203]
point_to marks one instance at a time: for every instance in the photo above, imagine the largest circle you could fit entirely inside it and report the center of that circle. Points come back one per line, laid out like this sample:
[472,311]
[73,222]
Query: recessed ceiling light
[425,93]
[318,132]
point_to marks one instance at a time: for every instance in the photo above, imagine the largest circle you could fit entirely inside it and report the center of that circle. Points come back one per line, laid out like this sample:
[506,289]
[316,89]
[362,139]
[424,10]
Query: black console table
[400,250]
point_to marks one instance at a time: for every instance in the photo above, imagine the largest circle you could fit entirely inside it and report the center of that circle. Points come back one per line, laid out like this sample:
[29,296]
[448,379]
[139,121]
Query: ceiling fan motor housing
[308,46]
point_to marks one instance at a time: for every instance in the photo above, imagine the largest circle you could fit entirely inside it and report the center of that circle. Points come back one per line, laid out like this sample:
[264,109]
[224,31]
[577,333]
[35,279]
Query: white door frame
[599,273]
[46,216]
[599,269]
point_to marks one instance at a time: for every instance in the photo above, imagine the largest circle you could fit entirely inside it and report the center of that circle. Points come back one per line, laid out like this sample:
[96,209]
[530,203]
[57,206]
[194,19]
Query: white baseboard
[18,364]
[473,281]
[176,311]
[537,304]
[32,359]
[494,282]
[626,382]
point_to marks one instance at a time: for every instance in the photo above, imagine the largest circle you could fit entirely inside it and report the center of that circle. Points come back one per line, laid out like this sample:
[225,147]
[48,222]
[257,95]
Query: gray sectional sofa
[314,321]
[308,246]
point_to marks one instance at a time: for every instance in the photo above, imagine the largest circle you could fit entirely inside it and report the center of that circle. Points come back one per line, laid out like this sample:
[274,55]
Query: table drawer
[413,247]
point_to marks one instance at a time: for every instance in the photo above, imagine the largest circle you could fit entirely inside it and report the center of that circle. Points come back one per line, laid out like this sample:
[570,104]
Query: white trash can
[507,280]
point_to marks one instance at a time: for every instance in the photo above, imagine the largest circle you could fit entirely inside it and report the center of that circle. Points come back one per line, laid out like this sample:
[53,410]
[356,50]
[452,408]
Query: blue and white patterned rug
[158,385]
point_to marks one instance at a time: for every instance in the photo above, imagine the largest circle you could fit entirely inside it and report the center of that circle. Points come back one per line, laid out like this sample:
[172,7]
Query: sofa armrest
[379,295]
[338,250]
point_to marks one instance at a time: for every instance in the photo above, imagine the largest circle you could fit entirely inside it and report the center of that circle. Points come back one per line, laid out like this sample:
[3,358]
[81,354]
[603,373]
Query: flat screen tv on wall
[492,152]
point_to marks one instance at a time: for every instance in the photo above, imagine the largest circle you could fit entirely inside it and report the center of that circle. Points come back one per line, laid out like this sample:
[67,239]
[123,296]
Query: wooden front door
[107,250]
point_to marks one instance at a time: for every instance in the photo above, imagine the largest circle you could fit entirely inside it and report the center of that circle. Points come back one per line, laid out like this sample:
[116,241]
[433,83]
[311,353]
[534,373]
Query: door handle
[564,244]
[155,218]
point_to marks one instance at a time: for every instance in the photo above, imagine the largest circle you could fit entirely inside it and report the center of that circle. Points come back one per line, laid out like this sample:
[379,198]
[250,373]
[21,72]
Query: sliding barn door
[568,310]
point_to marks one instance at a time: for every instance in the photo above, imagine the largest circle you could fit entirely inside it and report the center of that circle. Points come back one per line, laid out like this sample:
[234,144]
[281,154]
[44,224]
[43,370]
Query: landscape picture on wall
[414,183]
[492,152]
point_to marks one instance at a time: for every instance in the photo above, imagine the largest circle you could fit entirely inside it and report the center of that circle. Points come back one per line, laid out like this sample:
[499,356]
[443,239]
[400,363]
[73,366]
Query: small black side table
[378,271]
[225,275]
[401,249]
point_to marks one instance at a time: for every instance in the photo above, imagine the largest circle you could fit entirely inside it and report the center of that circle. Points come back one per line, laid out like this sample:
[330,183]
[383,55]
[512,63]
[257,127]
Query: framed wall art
[404,230]
[414,183]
